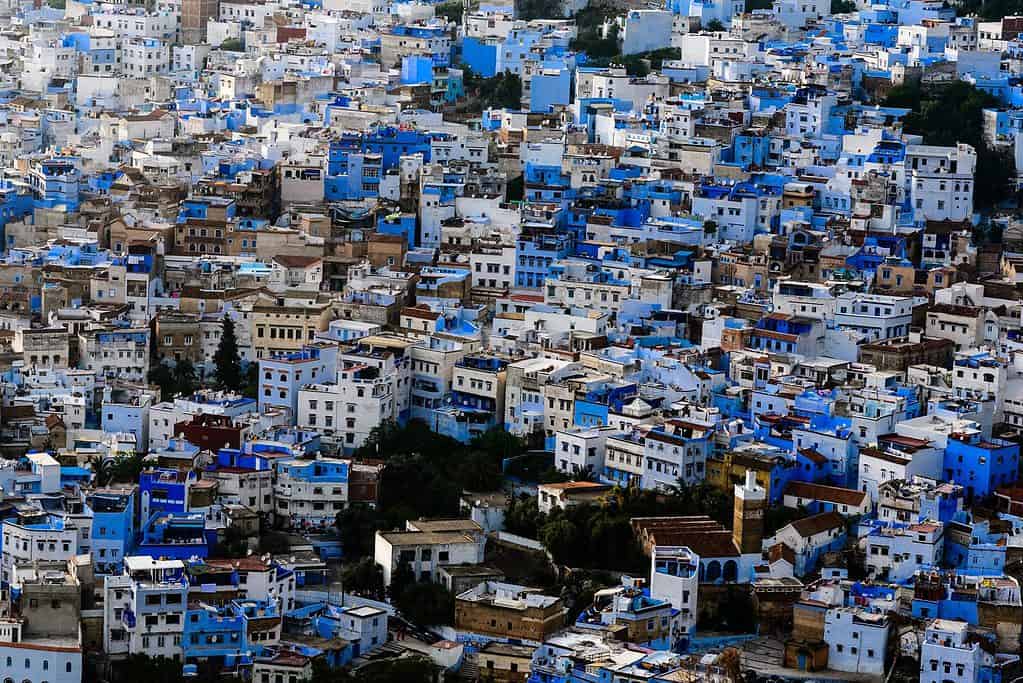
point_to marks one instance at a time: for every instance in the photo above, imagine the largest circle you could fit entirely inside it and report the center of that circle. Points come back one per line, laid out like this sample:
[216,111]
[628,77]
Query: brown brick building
[211,432]
[899,353]
[507,611]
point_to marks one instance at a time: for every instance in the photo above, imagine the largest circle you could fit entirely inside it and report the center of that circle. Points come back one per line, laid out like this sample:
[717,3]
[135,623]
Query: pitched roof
[290,261]
[830,494]
[811,526]
[706,537]
[780,551]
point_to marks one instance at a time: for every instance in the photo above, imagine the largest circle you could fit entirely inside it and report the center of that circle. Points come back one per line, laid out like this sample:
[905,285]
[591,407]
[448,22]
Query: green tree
[124,468]
[251,386]
[589,29]
[989,10]
[229,371]
[236,543]
[452,11]
[409,669]
[539,9]
[778,516]
[842,6]
[364,577]
[501,91]
[163,377]
[561,539]
[274,543]
[232,45]
[426,603]
[401,579]
[515,189]
[953,113]
[523,517]
[480,472]
[357,525]
[700,499]
[140,667]
[499,443]
[185,382]
[715,25]
[579,586]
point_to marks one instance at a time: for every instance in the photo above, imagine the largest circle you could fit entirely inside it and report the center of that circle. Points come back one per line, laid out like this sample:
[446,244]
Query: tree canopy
[600,535]
[229,370]
[539,9]
[502,91]
[950,114]
[179,380]
[408,669]
[425,476]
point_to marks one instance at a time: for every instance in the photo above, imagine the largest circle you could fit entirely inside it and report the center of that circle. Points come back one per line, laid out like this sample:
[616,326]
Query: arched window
[713,570]
[731,572]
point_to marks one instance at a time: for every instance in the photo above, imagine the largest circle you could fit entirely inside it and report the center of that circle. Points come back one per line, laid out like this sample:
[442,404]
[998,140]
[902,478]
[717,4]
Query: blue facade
[220,634]
[549,88]
[313,471]
[416,69]
[980,465]
[164,490]
[403,224]
[593,409]
[176,536]
[113,528]
[481,56]
[775,333]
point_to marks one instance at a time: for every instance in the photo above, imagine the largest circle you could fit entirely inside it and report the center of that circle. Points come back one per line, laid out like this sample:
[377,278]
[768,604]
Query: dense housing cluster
[536,342]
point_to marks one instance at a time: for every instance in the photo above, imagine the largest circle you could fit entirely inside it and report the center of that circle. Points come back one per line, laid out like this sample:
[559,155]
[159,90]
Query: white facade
[493,267]
[25,544]
[145,57]
[856,640]
[675,578]
[646,30]
[144,608]
[947,654]
[580,451]
[311,492]
[121,357]
[37,661]
[427,545]
[898,553]
[941,182]
[874,315]
[346,412]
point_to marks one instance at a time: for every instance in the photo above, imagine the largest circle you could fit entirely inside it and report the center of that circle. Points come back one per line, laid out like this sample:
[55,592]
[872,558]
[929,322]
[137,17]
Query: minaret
[748,515]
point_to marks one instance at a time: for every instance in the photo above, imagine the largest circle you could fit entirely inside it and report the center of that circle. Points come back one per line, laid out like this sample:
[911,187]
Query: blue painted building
[593,408]
[980,465]
[176,536]
[114,527]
